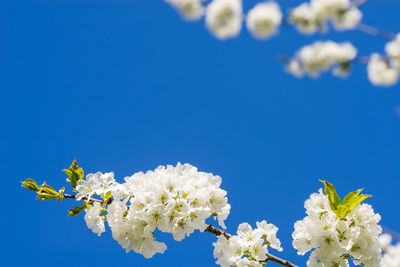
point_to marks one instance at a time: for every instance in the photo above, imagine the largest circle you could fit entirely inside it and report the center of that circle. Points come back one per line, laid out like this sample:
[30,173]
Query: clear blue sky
[127,85]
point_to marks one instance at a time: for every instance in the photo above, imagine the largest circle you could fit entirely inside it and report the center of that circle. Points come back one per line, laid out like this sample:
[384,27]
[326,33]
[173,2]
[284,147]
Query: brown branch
[216,231]
[90,201]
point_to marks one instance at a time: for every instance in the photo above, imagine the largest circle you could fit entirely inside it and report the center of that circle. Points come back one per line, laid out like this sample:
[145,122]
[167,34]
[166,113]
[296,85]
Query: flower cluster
[336,240]
[322,56]
[249,247]
[95,184]
[176,200]
[224,17]
[311,17]
[93,220]
[385,71]
[391,256]
[264,19]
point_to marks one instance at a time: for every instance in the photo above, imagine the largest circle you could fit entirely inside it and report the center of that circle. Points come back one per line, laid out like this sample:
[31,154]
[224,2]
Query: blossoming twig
[216,231]
[210,229]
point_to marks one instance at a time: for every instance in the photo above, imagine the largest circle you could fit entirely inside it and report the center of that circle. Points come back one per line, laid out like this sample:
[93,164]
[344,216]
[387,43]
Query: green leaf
[351,197]
[352,200]
[75,211]
[106,197]
[46,192]
[334,199]
[74,173]
[30,184]
[60,195]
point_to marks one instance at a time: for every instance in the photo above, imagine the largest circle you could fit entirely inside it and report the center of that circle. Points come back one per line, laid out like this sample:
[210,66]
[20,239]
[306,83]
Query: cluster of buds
[44,191]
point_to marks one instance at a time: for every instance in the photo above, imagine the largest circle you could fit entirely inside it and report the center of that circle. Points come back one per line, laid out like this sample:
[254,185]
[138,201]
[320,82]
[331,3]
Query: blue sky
[127,85]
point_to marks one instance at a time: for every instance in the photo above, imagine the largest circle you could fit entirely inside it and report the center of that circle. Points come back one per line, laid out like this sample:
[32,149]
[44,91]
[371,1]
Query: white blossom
[313,16]
[305,18]
[335,241]
[93,219]
[385,240]
[224,18]
[322,56]
[97,183]
[249,247]
[295,68]
[189,9]
[264,19]
[176,200]
[393,51]
[380,72]
[349,20]
[391,257]
[391,253]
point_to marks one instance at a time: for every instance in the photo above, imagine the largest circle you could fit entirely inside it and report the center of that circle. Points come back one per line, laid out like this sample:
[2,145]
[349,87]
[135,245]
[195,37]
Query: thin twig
[366,59]
[358,3]
[361,60]
[216,231]
[375,31]
[90,201]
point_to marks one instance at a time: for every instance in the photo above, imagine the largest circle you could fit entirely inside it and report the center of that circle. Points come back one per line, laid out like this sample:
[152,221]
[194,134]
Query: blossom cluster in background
[224,19]
[176,200]
[385,70]
[314,16]
[391,253]
[322,56]
[333,240]
[249,247]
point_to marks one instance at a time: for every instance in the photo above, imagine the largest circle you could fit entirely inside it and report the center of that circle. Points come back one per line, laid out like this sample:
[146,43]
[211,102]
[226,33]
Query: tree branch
[210,229]
[216,231]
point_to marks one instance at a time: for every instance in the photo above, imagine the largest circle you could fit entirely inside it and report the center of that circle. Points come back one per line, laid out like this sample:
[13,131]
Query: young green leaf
[30,184]
[334,199]
[74,173]
[106,197]
[75,211]
[351,197]
[60,195]
[352,200]
[46,192]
